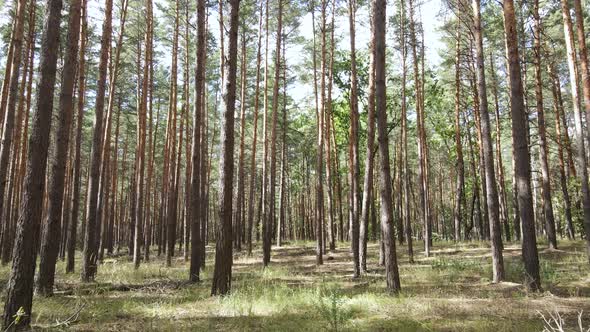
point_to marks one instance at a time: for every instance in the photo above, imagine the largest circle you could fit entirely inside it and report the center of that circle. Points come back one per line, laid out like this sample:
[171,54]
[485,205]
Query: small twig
[71,319]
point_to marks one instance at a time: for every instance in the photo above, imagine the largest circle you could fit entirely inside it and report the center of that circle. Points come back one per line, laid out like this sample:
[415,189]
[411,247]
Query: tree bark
[14,68]
[563,173]
[521,152]
[90,251]
[251,200]
[77,174]
[20,284]
[391,269]
[52,230]
[585,68]
[488,155]
[460,183]
[546,182]
[223,252]
[172,198]
[239,213]
[271,215]
[353,143]
[368,180]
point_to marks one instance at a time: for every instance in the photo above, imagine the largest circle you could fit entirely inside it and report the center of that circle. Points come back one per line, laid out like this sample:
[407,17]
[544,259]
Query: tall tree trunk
[77,174]
[488,155]
[223,252]
[271,215]
[239,213]
[563,171]
[501,184]
[172,199]
[188,166]
[18,154]
[422,155]
[251,200]
[404,132]
[266,244]
[7,70]
[196,213]
[319,191]
[459,195]
[353,142]
[391,269]
[546,182]
[52,230]
[521,152]
[14,70]
[585,68]
[283,182]
[328,74]
[138,209]
[20,284]
[368,180]
[150,213]
[90,252]
[103,198]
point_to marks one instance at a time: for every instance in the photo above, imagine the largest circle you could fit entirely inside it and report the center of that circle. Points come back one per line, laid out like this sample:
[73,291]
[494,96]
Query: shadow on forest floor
[449,291]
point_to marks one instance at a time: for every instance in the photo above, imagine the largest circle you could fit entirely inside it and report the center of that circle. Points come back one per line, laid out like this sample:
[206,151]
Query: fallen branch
[72,318]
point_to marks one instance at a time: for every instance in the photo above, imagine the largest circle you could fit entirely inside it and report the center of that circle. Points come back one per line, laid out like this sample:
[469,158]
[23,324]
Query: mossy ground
[450,291]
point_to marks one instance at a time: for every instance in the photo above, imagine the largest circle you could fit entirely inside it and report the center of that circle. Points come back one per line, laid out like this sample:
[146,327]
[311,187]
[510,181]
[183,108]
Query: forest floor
[450,291]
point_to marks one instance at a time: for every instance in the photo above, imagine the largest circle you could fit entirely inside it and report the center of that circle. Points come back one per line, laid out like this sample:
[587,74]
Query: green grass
[450,291]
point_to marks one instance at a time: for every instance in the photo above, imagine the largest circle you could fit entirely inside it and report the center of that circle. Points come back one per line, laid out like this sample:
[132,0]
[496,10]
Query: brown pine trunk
[354,175]
[283,181]
[239,213]
[138,209]
[422,153]
[14,68]
[18,153]
[113,191]
[319,192]
[152,134]
[188,167]
[460,183]
[500,166]
[521,152]
[368,180]
[251,200]
[339,186]
[223,253]
[52,230]
[546,182]
[77,174]
[391,269]
[105,170]
[563,171]
[171,205]
[7,71]
[585,68]
[404,133]
[327,130]
[487,152]
[266,244]
[271,219]
[90,252]
[195,199]
[20,284]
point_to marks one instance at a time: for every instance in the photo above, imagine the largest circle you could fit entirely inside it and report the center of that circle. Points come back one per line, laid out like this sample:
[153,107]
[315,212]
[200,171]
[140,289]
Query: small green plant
[20,314]
[331,308]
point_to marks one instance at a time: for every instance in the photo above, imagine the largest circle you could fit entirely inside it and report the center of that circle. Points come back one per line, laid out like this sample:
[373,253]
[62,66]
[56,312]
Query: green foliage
[332,307]
[20,314]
